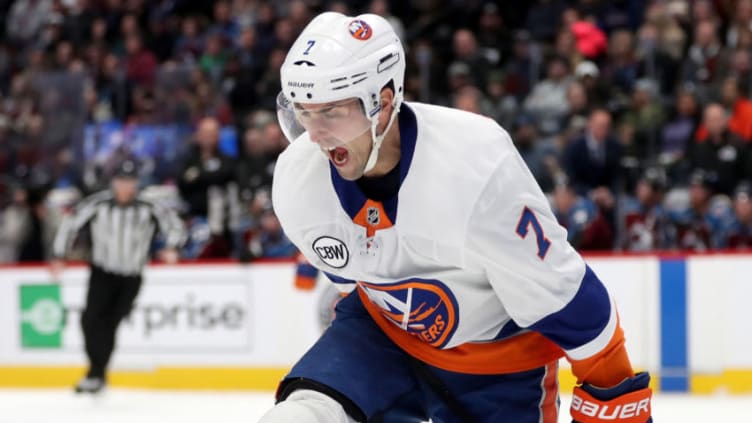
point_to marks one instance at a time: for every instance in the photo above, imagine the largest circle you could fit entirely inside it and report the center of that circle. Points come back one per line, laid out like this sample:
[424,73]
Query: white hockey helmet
[337,57]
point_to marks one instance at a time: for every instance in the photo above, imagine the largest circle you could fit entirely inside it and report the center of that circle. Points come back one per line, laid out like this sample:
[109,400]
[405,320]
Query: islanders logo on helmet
[423,308]
[360,30]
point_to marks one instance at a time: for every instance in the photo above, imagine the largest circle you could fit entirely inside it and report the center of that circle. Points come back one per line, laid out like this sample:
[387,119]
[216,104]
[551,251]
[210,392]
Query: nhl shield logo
[372,216]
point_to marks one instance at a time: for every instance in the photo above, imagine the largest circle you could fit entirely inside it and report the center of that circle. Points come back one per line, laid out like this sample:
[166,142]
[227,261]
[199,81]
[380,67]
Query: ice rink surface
[129,406]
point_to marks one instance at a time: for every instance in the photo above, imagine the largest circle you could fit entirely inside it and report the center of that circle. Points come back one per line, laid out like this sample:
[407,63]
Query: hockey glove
[627,402]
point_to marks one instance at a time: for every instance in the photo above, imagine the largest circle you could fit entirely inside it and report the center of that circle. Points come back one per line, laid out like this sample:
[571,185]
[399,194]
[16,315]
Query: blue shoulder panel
[583,319]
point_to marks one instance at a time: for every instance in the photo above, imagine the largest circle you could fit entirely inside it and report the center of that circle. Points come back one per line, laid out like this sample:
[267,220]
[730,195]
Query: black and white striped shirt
[120,234]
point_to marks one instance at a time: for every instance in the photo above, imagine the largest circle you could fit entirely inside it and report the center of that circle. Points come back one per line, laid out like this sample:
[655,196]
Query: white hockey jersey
[466,269]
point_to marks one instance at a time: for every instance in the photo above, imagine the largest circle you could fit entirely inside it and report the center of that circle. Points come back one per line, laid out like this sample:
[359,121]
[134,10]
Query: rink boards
[230,326]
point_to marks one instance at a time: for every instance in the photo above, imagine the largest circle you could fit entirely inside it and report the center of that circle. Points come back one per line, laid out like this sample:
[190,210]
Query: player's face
[342,131]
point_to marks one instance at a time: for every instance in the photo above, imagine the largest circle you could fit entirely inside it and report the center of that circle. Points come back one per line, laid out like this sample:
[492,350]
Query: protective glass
[330,124]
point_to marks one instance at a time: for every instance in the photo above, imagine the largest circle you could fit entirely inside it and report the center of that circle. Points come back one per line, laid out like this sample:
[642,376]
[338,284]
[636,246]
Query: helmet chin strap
[378,139]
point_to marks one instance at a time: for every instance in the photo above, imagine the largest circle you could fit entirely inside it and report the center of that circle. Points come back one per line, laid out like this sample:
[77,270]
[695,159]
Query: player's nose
[319,136]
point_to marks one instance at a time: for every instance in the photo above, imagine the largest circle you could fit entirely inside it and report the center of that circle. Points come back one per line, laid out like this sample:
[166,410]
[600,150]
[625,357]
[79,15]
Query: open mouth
[339,156]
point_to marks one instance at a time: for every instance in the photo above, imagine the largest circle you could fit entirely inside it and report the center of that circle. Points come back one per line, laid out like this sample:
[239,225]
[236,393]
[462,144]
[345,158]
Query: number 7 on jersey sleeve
[528,218]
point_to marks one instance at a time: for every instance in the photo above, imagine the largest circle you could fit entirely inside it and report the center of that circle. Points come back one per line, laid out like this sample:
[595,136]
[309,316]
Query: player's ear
[387,104]
[387,97]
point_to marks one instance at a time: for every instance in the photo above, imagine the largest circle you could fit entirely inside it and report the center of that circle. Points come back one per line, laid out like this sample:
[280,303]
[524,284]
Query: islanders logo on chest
[426,309]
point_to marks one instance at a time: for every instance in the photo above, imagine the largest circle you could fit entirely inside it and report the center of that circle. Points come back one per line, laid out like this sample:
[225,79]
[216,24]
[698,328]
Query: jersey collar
[352,198]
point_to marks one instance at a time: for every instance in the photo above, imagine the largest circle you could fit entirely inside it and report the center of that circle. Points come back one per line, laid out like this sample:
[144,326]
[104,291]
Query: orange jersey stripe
[549,405]
[607,368]
[520,353]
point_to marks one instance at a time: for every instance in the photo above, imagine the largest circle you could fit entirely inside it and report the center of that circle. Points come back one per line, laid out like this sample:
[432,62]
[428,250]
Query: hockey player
[463,292]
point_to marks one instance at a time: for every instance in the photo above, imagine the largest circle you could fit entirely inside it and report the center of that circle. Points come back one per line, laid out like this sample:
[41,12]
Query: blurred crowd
[633,115]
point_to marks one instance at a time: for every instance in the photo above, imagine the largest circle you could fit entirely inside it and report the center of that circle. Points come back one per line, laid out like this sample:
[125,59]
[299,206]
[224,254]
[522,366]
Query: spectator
[284,33]
[268,85]
[503,107]
[213,60]
[645,117]
[741,69]
[622,66]
[586,227]
[738,234]
[26,18]
[721,152]
[98,33]
[251,58]
[266,15]
[668,19]
[458,77]
[140,63]
[471,99]
[466,51]
[735,100]
[699,225]
[539,156]
[566,46]
[162,36]
[190,43]
[547,101]
[493,35]
[593,160]
[113,88]
[224,24]
[705,10]
[207,100]
[256,166]
[645,220]
[268,240]
[739,109]
[705,60]
[51,33]
[543,19]
[206,184]
[299,13]
[620,15]
[654,63]
[598,93]
[24,233]
[244,12]
[740,21]
[522,69]
[590,40]
[239,88]
[677,135]
[575,122]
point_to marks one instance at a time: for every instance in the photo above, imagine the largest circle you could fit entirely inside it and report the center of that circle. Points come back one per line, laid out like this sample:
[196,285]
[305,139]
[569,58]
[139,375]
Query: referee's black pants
[109,299]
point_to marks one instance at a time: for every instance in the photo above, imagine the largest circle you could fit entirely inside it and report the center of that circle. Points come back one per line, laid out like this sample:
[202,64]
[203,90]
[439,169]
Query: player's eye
[335,112]
[303,113]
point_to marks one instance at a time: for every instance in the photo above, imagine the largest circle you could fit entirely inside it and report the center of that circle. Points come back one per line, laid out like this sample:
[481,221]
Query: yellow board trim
[220,378]
[266,379]
[731,381]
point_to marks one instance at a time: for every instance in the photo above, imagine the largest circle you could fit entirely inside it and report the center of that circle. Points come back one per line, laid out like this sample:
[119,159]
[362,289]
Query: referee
[121,225]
